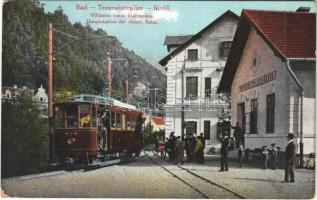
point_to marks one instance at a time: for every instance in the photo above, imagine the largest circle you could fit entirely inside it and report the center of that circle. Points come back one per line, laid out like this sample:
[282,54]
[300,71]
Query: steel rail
[200,177]
[211,182]
[179,178]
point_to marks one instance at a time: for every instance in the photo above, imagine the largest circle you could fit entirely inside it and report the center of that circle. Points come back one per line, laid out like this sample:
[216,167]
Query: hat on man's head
[273,144]
[264,146]
[291,136]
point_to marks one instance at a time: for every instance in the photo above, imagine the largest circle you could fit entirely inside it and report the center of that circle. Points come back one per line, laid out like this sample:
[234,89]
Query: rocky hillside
[79,68]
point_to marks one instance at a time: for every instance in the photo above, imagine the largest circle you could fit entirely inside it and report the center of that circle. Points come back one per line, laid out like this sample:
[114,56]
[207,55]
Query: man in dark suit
[224,150]
[290,155]
[238,135]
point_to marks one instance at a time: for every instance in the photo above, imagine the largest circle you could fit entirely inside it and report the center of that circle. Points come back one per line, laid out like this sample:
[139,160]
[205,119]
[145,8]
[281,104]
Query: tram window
[85,115]
[133,123]
[71,122]
[71,119]
[113,121]
[129,122]
[59,117]
[118,120]
[94,117]
[123,121]
[71,110]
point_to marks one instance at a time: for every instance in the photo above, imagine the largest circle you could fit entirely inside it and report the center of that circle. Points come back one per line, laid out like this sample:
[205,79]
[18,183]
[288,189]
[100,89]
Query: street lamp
[183,103]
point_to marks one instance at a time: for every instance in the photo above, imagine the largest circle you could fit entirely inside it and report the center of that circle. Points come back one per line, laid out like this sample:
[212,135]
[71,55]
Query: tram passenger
[85,120]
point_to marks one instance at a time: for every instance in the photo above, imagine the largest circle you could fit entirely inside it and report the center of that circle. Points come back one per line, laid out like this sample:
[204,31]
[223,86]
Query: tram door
[104,131]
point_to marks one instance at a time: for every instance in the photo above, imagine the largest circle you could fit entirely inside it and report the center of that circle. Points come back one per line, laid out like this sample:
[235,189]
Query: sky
[183,17]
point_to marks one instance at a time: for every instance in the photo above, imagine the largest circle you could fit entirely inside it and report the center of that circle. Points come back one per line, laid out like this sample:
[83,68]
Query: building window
[270,113]
[192,54]
[191,127]
[224,49]
[191,86]
[254,62]
[207,130]
[207,87]
[254,116]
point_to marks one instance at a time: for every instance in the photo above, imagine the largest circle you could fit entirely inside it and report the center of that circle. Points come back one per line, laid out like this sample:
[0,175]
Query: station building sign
[258,81]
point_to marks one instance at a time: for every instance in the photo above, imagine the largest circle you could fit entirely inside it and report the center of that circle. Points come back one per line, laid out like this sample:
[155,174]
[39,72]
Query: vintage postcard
[158,99]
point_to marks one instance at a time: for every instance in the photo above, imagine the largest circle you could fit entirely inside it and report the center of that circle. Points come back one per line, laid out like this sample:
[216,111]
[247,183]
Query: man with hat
[224,150]
[290,155]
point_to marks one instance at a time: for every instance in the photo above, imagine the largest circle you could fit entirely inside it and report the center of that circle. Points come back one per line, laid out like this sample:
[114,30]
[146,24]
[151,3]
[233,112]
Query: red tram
[89,128]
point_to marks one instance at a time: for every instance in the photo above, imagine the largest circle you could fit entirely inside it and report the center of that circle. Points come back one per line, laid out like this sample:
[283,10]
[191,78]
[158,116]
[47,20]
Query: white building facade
[265,97]
[39,96]
[204,56]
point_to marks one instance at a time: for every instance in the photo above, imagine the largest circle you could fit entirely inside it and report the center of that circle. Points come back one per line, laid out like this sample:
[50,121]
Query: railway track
[206,188]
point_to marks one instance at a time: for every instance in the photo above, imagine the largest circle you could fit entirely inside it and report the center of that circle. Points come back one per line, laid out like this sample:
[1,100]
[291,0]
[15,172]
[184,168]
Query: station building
[270,75]
[204,56]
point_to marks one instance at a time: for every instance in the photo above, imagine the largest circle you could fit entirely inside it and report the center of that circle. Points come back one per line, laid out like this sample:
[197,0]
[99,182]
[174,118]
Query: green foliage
[79,68]
[149,136]
[24,138]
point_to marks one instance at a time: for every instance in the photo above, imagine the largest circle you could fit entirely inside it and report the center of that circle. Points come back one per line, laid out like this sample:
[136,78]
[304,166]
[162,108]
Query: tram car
[89,128]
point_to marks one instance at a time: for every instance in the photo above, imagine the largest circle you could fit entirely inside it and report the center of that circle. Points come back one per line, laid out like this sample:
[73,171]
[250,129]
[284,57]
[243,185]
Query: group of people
[274,155]
[174,147]
[194,147]
[271,158]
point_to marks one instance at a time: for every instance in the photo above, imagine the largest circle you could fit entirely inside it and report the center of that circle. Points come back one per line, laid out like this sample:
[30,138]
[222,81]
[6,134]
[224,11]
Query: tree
[24,138]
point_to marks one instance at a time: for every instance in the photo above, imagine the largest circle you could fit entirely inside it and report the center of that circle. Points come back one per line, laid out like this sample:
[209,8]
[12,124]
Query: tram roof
[100,99]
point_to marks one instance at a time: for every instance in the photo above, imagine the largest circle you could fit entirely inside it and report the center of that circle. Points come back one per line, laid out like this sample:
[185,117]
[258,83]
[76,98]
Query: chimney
[303,9]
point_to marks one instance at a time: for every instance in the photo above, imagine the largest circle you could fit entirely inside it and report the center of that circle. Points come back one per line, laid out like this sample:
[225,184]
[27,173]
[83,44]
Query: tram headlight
[56,108]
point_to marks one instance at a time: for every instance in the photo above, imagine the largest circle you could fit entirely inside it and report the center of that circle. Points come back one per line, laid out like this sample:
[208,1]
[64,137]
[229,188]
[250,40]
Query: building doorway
[241,118]
[191,128]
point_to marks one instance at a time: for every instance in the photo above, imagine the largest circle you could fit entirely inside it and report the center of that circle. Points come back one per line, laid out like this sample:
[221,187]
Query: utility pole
[50,92]
[109,76]
[126,90]
[183,104]
[50,81]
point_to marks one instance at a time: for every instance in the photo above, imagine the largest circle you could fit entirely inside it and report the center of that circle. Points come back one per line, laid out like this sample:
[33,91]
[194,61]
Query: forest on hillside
[79,68]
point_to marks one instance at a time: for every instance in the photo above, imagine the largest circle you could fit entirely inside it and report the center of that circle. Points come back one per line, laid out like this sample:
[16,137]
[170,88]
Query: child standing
[265,154]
